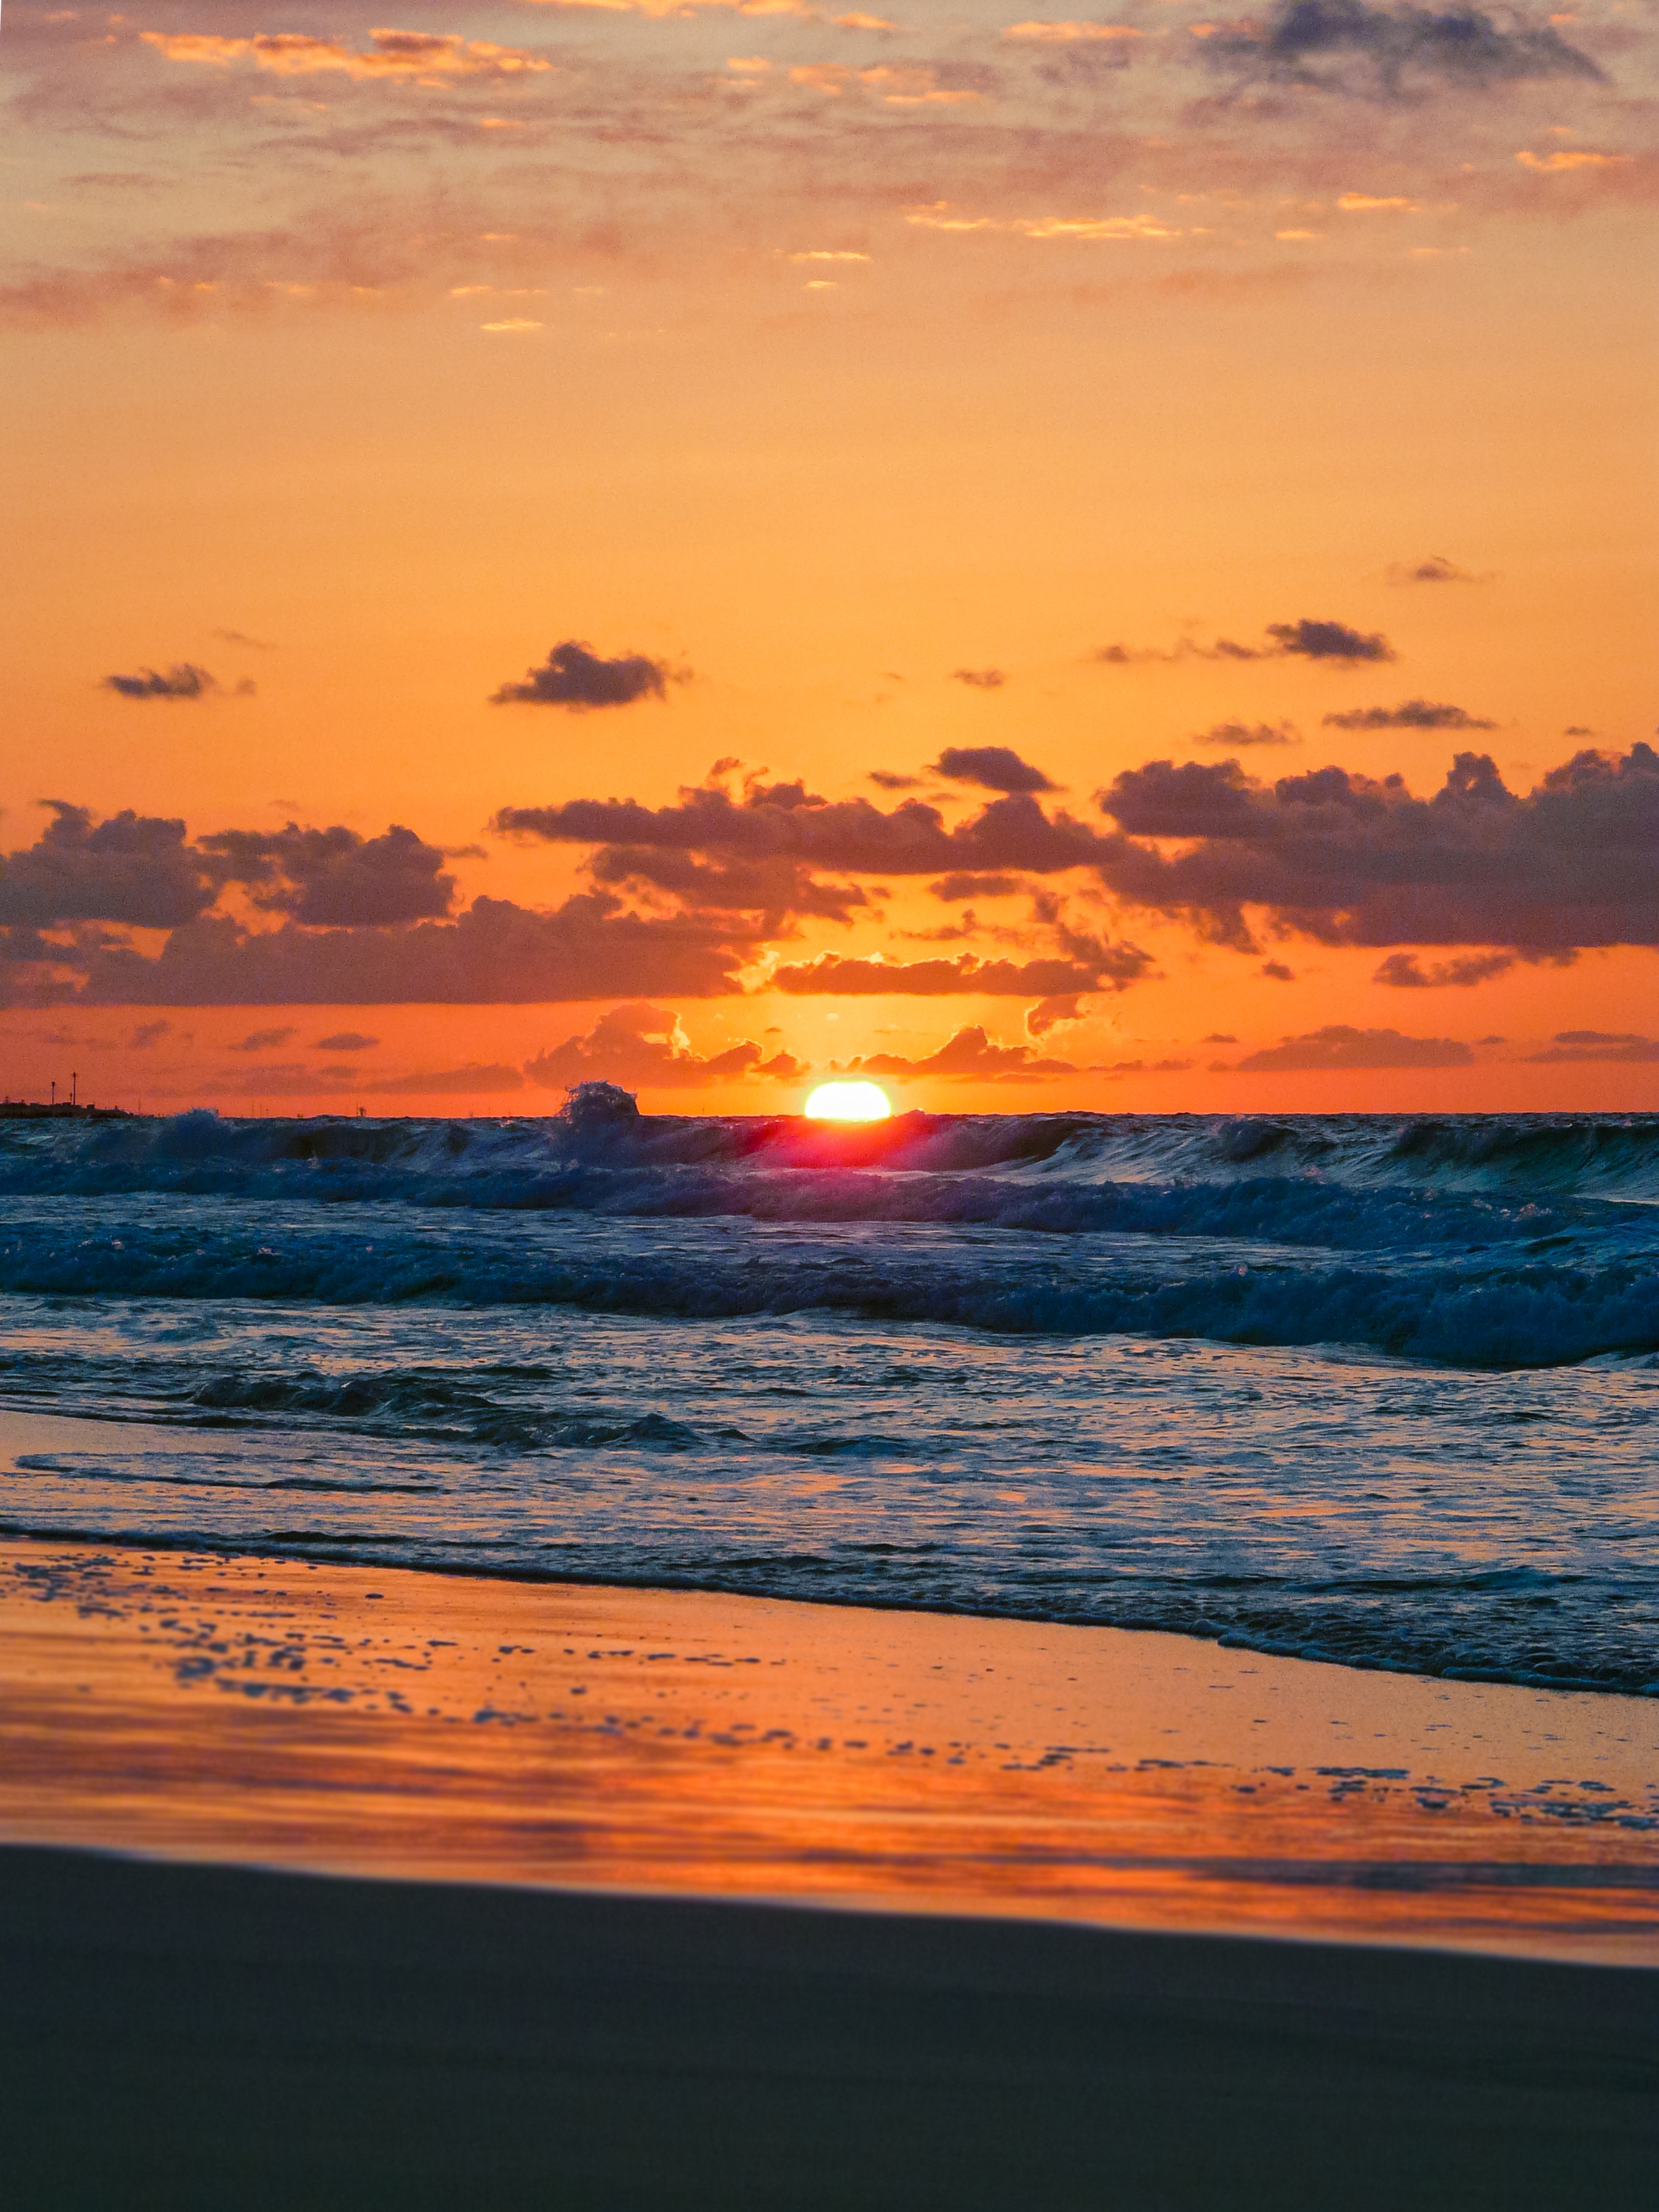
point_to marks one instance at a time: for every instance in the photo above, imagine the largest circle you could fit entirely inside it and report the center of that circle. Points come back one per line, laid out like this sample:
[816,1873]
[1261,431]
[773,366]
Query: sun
[847,1102]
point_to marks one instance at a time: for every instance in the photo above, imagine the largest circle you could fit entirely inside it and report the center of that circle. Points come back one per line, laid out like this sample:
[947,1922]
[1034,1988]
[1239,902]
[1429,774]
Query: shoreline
[379,1720]
[275,2040]
[27,1431]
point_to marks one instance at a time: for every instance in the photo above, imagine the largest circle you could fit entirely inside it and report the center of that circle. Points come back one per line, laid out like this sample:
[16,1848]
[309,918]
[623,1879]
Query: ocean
[1377,1389]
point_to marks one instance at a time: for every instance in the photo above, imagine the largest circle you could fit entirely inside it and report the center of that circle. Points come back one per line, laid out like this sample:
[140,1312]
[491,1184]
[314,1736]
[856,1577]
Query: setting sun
[848,1101]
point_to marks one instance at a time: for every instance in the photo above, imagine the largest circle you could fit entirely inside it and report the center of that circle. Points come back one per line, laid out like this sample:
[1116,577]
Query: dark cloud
[1109,968]
[1309,639]
[1276,972]
[573,676]
[495,953]
[1402,971]
[1342,44]
[785,820]
[256,1040]
[345,1040]
[968,1057]
[1603,1045]
[1337,1046]
[1219,1036]
[1330,641]
[981,679]
[1437,569]
[136,869]
[993,768]
[1231,735]
[334,878]
[884,780]
[1348,860]
[1410,714]
[644,1046]
[184,680]
[775,888]
[147,1034]
[954,887]
[1049,1014]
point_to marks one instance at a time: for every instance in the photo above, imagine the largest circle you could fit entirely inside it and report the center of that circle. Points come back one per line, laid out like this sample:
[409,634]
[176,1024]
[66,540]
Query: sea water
[1377,1389]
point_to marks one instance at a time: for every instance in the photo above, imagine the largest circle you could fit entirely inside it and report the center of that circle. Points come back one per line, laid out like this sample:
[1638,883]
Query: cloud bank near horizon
[697,898]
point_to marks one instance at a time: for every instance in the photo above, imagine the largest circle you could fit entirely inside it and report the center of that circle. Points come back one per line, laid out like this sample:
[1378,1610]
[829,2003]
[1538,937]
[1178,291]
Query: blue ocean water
[1367,1388]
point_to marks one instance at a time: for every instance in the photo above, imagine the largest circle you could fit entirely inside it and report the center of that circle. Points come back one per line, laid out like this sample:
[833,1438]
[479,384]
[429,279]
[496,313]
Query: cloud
[785,820]
[1349,860]
[1052,1014]
[1401,971]
[773,888]
[886,780]
[256,1040]
[345,1040]
[1436,569]
[1330,641]
[1233,734]
[184,680]
[970,1056]
[495,953]
[575,677]
[1308,639]
[150,1033]
[979,679]
[1337,1046]
[132,868]
[1344,45]
[1113,967]
[1276,972]
[644,1046]
[1573,1046]
[993,768]
[914,85]
[1566,158]
[951,889]
[335,878]
[423,57]
[1098,229]
[1410,714]
[1067,35]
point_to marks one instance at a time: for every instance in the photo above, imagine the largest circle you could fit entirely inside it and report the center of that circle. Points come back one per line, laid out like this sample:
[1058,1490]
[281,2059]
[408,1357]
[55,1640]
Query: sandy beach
[539,1983]
[187,2039]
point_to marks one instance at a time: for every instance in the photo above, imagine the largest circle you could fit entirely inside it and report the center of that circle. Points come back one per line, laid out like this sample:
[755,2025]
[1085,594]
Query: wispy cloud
[418,56]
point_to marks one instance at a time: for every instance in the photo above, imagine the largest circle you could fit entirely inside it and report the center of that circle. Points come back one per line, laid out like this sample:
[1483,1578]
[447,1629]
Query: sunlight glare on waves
[848,1101]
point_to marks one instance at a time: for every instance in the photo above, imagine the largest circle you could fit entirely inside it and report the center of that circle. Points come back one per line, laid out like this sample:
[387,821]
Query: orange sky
[813,369]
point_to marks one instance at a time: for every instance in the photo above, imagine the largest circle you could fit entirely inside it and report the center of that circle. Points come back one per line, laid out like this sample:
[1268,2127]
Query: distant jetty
[22,1110]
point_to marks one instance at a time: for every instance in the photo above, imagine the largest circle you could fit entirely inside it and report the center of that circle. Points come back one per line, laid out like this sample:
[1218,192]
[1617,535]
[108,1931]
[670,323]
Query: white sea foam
[1382,1390]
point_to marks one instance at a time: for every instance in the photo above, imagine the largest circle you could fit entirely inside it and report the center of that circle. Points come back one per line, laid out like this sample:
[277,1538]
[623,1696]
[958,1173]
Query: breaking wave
[540,1162]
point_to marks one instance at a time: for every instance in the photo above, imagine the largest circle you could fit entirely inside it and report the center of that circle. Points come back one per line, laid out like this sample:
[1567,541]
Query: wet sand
[367,1720]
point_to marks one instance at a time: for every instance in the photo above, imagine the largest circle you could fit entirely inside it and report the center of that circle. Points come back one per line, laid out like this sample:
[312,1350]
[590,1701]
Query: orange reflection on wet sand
[370,1721]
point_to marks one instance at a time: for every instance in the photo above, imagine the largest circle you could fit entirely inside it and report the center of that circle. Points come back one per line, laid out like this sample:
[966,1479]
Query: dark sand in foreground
[215,2040]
